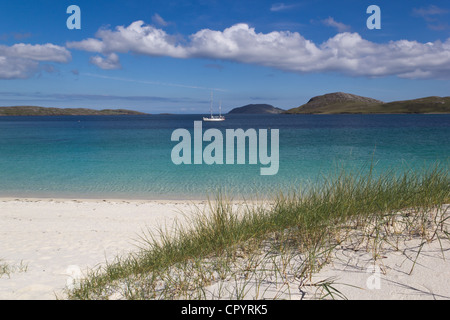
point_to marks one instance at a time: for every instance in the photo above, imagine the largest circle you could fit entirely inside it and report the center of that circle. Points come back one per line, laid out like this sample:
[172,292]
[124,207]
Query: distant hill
[422,105]
[42,111]
[340,102]
[257,108]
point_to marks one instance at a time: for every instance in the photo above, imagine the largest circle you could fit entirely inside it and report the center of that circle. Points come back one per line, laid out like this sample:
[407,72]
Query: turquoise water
[130,156]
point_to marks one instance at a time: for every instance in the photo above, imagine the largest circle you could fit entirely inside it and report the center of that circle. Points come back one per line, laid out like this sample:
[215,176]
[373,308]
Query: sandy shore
[44,241]
[47,238]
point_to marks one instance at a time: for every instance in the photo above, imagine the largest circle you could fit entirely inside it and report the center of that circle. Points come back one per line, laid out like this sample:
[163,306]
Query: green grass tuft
[289,237]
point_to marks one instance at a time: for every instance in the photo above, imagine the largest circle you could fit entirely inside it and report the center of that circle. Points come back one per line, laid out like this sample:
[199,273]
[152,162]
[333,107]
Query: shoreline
[95,200]
[99,198]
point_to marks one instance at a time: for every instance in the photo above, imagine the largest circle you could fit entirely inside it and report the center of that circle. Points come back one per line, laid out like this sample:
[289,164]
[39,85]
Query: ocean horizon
[129,157]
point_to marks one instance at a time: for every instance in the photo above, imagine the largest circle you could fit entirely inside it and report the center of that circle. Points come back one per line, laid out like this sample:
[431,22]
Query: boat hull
[214,119]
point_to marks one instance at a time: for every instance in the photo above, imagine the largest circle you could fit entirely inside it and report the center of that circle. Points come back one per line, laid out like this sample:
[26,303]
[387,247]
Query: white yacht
[214,118]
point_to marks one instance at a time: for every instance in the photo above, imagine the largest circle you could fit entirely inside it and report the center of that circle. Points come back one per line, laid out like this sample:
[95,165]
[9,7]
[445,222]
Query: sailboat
[214,118]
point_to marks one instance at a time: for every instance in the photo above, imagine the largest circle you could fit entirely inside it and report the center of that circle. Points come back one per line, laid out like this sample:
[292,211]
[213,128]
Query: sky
[167,56]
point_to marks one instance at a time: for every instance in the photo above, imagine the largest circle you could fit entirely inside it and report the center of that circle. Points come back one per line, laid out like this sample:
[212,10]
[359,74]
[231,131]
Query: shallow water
[130,156]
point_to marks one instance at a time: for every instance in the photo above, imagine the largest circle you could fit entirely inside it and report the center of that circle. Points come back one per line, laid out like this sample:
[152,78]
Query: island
[257,109]
[43,111]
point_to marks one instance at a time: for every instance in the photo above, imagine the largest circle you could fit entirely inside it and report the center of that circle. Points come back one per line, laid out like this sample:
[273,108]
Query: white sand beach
[49,236]
[43,241]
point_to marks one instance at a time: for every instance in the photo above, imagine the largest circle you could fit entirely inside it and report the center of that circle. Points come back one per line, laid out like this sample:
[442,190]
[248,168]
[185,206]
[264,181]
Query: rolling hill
[340,102]
[256,109]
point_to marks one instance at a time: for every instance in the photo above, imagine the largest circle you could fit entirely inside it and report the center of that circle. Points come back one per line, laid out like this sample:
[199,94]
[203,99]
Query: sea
[129,157]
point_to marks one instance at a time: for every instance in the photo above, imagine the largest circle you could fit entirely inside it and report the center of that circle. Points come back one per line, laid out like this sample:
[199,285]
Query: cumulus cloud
[109,63]
[345,53]
[137,38]
[21,60]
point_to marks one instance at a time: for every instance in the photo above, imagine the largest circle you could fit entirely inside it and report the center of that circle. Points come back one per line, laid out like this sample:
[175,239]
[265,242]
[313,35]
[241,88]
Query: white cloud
[91,45]
[137,38]
[21,60]
[16,68]
[46,52]
[346,53]
[338,25]
[109,63]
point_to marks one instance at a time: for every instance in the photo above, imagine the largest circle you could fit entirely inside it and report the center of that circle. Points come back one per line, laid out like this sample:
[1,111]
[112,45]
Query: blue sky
[166,56]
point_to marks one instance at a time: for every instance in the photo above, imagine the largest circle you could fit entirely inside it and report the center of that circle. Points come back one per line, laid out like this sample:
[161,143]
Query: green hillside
[339,102]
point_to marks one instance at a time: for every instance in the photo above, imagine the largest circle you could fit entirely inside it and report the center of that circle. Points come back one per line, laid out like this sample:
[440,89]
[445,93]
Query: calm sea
[130,156]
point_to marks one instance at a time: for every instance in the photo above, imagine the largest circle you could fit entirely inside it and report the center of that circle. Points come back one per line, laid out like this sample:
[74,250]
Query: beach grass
[272,249]
[6,269]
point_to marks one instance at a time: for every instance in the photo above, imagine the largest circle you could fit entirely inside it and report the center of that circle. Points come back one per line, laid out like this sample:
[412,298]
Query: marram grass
[241,248]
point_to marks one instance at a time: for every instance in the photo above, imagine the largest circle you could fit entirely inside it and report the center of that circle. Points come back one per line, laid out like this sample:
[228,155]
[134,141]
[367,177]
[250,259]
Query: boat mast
[210,107]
